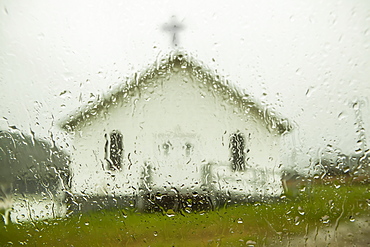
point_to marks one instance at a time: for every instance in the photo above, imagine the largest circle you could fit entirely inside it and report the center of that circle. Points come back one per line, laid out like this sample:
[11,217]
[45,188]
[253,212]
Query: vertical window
[188,149]
[114,150]
[237,144]
[166,147]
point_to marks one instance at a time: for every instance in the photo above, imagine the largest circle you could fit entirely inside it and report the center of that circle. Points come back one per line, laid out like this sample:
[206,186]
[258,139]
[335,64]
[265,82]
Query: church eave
[175,62]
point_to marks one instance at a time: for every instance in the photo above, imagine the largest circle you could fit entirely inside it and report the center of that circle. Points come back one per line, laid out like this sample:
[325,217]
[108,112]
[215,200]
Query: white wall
[178,108]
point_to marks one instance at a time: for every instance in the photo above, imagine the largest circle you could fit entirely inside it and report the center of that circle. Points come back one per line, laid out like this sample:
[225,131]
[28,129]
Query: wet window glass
[146,123]
[237,152]
[114,150]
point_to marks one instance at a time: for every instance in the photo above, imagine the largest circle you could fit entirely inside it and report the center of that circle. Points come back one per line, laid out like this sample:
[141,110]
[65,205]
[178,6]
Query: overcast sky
[307,59]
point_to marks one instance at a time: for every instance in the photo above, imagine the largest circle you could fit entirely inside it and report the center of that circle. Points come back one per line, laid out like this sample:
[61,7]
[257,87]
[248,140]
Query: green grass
[262,223]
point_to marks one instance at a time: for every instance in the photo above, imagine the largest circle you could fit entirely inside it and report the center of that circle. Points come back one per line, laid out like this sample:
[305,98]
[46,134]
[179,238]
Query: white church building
[176,127]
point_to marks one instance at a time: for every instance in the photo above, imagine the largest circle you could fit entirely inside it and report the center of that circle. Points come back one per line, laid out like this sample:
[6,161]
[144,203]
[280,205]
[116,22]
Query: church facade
[179,127]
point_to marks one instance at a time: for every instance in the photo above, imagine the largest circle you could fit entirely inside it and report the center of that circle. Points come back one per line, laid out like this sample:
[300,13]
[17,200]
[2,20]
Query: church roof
[174,61]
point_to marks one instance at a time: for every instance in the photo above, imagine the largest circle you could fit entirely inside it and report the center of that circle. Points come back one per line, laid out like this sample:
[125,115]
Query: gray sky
[307,59]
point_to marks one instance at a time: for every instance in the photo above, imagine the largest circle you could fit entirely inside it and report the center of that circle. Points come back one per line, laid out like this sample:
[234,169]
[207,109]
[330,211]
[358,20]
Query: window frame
[114,150]
[237,151]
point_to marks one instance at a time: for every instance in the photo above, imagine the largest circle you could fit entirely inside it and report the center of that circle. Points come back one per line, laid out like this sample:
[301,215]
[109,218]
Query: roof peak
[171,62]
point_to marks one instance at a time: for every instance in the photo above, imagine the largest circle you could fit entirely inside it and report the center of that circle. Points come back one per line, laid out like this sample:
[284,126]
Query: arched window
[188,149]
[237,148]
[114,150]
[166,147]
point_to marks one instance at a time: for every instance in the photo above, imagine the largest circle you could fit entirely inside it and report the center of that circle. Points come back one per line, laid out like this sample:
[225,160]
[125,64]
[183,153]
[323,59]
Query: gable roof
[172,62]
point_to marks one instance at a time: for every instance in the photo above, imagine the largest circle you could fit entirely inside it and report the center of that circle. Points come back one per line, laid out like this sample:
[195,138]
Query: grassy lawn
[321,206]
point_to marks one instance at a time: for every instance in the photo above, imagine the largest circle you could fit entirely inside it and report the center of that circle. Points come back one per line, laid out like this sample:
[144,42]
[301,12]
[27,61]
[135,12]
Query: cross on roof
[173,27]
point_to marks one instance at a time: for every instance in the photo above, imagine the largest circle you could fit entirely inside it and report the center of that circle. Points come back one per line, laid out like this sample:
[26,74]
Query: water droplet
[250,243]
[300,210]
[170,213]
[325,219]
[296,221]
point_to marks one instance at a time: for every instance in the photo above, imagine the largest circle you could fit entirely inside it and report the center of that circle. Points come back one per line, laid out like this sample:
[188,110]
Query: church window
[114,150]
[188,149]
[166,147]
[237,148]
